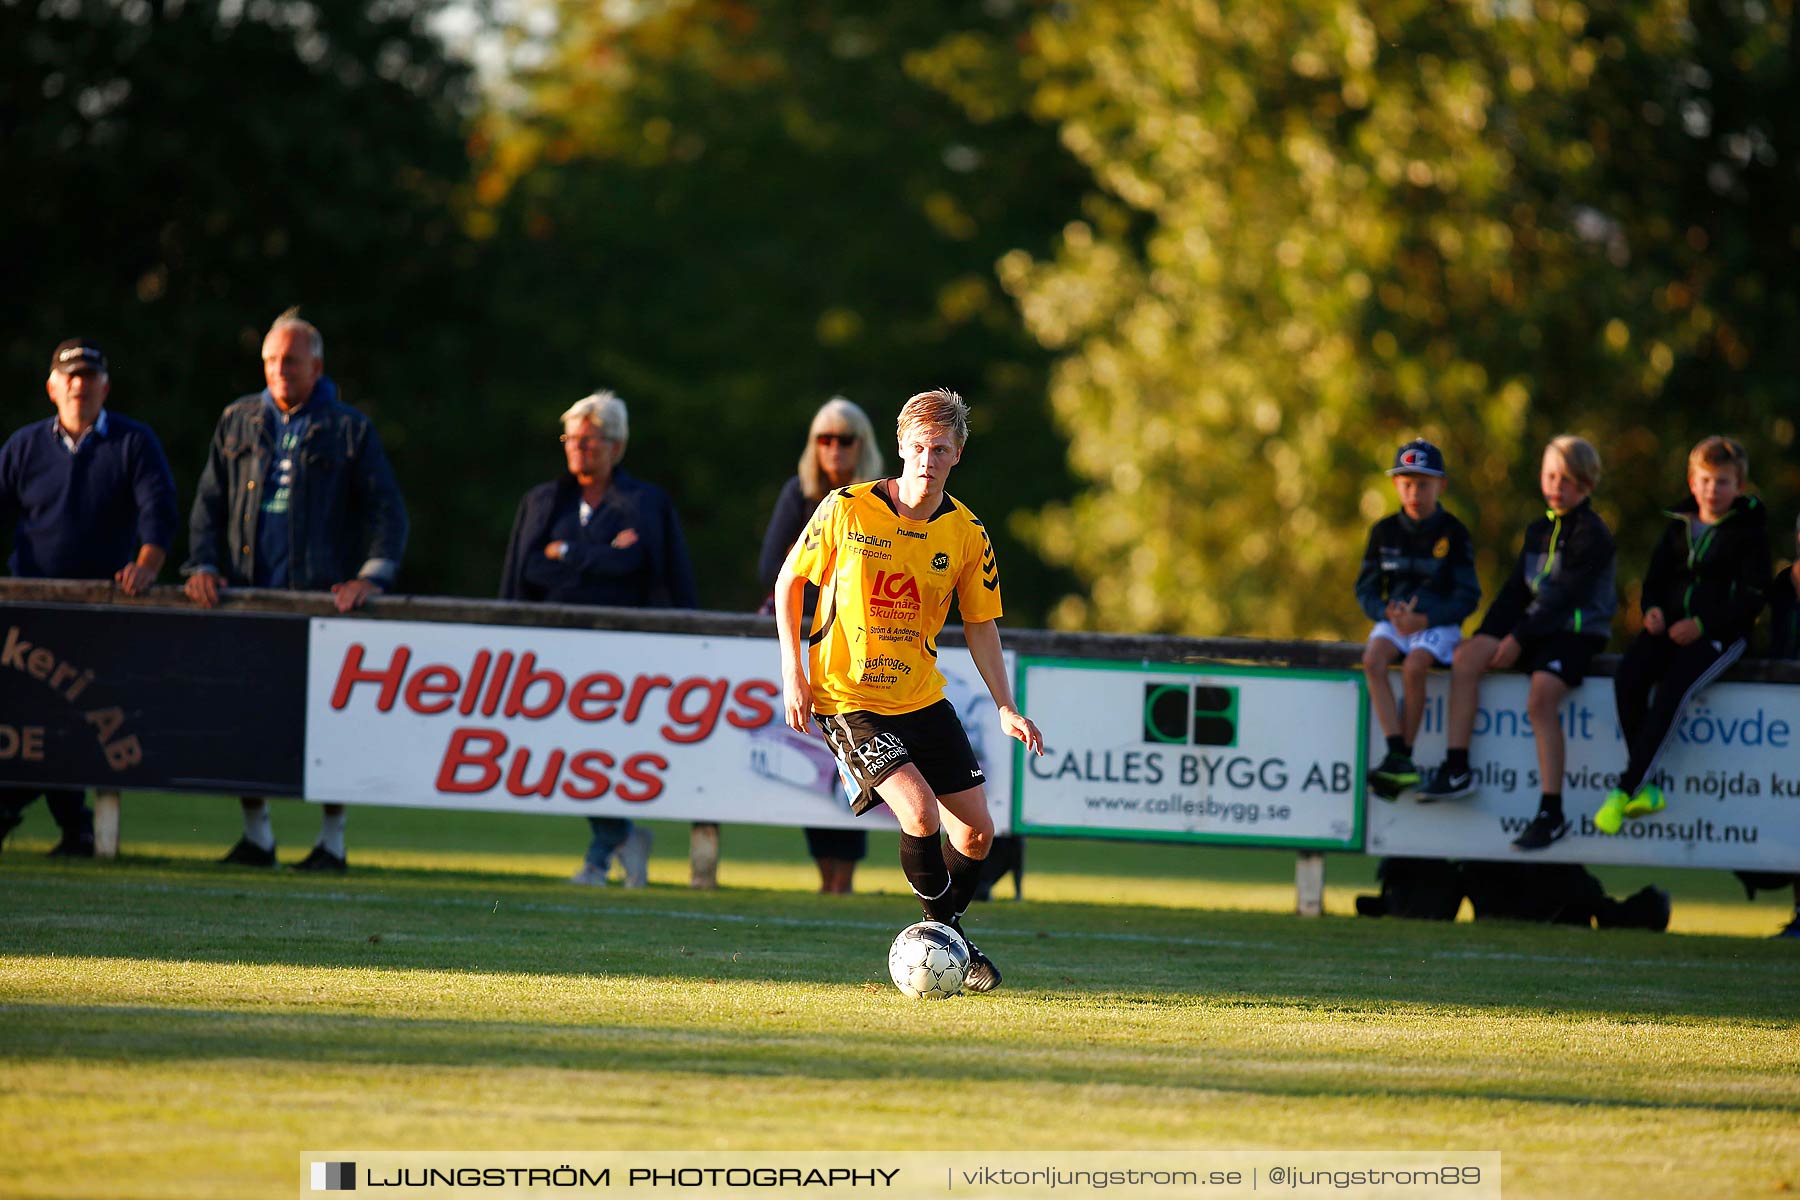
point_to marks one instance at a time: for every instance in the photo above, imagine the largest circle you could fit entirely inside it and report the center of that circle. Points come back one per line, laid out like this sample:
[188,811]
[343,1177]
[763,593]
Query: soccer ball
[927,961]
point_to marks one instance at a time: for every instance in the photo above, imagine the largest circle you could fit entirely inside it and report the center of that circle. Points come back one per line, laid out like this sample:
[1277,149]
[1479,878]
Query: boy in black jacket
[1784,608]
[1551,617]
[1418,585]
[1702,594]
[1784,642]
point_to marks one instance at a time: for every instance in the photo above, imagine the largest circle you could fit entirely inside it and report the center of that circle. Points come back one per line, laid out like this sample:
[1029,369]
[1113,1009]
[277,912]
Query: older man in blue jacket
[598,536]
[87,494]
[297,493]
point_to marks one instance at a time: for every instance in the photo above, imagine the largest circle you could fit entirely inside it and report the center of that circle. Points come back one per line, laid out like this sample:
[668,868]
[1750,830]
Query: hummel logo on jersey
[975,773]
[912,533]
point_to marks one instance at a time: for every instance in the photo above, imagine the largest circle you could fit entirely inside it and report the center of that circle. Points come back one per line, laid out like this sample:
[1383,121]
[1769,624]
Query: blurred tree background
[1199,267]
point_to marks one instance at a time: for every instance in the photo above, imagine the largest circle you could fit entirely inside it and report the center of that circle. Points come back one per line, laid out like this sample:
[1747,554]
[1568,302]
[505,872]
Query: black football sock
[965,876]
[1551,806]
[1457,760]
[923,862]
[1397,745]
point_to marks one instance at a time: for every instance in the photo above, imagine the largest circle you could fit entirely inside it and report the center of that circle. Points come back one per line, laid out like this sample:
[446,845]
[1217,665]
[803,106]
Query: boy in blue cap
[1418,585]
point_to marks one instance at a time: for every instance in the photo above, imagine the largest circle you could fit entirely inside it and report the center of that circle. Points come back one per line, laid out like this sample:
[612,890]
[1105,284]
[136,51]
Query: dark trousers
[67,805]
[1655,681]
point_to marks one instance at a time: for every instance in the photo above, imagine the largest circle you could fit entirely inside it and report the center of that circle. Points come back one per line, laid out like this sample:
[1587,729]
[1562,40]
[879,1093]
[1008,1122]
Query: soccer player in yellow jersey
[887,557]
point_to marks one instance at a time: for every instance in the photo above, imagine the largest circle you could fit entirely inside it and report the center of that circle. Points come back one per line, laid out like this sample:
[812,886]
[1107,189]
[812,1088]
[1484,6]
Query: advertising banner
[1731,775]
[1263,756]
[590,722]
[92,696]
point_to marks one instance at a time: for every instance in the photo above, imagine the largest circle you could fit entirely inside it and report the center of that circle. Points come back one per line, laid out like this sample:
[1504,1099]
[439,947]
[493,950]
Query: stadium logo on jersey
[866,539]
[1201,715]
[940,561]
[893,593]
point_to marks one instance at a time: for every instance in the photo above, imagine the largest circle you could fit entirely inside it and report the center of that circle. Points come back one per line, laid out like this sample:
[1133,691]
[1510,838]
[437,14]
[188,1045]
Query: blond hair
[834,414]
[1579,458]
[939,408]
[1715,452]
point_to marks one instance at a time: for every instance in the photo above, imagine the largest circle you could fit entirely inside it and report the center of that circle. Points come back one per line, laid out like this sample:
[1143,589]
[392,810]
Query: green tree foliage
[180,172]
[730,212]
[1324,227]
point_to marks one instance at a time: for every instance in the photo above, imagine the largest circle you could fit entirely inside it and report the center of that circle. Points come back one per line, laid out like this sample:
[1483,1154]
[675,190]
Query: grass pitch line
[639,911]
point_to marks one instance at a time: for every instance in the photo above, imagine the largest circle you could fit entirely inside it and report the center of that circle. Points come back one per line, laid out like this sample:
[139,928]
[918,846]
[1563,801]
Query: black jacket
[1563,581]
[1714,574]
[1433,560]
[1784,616]
[654,573]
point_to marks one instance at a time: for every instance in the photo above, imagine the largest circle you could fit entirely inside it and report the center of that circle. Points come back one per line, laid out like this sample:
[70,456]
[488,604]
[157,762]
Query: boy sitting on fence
[1418,585]
[1552,616]
[1702,594]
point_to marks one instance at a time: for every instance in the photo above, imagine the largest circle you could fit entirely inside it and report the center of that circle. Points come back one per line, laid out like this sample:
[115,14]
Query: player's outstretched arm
[796,690]
[983,638]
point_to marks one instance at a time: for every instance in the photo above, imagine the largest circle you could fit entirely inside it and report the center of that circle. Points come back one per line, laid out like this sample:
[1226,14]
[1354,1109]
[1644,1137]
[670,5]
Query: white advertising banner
[1264,756]
[1731,776]
[590,722]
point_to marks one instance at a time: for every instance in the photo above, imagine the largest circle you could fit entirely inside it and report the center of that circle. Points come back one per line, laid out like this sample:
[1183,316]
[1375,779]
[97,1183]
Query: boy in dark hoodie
[1702,594]
[1418,585]
[1552,616]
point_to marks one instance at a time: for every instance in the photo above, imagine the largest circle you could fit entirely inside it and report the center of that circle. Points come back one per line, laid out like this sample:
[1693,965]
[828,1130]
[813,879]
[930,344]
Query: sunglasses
[835,439]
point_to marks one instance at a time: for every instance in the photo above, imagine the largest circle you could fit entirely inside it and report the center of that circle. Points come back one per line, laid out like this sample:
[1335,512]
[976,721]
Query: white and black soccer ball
[928,961]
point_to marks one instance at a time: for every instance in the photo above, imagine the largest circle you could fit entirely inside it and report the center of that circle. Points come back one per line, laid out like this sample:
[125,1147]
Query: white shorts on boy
[1441,640]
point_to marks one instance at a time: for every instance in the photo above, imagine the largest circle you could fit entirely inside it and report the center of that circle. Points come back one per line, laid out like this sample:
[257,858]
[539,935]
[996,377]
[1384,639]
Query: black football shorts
[872,746]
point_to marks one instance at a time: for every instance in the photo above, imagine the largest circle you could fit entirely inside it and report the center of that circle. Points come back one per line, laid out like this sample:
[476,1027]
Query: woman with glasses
[596,535]
[840,450]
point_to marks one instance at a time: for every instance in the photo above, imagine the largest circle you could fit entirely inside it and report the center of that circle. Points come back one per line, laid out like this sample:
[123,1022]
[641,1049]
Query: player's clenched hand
[797,697]
[1018,725]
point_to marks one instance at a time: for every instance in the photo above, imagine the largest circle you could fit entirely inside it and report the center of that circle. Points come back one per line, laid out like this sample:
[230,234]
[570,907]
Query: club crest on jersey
[893,593]
[940,561]
[1442,549]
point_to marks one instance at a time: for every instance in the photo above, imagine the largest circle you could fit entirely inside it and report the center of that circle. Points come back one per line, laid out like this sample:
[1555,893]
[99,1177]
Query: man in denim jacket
[297,494]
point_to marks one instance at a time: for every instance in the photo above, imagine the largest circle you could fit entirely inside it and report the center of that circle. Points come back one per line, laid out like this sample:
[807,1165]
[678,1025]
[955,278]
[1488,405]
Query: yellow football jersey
[885,584]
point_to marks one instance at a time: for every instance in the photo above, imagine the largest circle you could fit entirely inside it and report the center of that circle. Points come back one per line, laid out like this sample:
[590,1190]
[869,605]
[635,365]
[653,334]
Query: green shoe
[1649,799]
[1612,813]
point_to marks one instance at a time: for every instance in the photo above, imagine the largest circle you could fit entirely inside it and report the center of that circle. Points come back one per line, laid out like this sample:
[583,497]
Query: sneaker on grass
[248,854]
[1441,783]
[982,975]
[321,859]
[589,876]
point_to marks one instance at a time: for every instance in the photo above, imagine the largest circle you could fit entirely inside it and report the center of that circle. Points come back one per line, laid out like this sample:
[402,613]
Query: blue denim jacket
[348,518]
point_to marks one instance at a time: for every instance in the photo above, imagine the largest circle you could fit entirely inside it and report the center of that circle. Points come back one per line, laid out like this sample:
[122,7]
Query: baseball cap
[1418,457]
[78,354]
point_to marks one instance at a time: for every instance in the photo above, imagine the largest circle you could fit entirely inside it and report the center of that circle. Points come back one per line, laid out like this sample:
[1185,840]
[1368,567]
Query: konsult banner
[96,696]
[1731,774]
[1185,753]
[592,722]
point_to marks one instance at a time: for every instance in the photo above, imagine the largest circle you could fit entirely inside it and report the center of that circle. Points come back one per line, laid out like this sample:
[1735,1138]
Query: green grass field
[175,1028]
